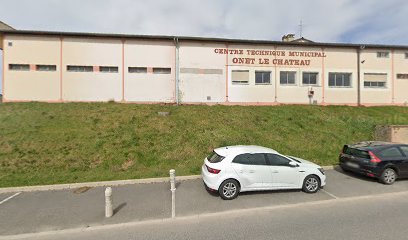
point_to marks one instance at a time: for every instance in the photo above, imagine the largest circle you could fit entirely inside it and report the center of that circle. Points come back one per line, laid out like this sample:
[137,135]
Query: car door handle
[251,171]
[275,171]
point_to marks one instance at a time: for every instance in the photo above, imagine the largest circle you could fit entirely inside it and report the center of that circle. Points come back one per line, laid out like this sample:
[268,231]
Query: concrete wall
[149,87]
[392,133]
[401,85]
[202,73]
[31,85]
[92,86]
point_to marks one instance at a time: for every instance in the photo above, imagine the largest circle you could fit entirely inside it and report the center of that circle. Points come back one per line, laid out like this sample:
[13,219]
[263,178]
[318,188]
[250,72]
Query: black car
[382,160]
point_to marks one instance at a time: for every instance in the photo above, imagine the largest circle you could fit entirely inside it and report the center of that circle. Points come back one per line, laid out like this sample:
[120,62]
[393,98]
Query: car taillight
[374,158]
[212,170]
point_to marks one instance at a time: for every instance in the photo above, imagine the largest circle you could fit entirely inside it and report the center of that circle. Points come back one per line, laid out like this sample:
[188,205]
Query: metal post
[173,192]
[108,202]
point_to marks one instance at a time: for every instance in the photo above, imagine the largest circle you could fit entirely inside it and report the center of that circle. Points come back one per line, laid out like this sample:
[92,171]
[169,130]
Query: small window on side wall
[383,54]
[19,67]
[137,69]
[46,68]
[159,70]
[108,69]
[72,68]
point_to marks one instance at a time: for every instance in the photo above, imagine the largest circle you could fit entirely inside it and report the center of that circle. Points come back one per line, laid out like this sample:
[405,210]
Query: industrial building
[91,67]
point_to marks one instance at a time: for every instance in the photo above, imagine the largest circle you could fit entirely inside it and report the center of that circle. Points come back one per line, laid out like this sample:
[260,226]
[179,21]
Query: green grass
[44,143]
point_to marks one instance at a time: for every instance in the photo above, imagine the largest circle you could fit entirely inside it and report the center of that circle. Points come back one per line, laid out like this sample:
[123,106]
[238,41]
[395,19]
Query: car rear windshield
[215,158]
[356,152]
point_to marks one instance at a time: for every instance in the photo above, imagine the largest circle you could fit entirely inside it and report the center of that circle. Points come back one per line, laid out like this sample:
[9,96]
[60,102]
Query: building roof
[298,42]
[4,26]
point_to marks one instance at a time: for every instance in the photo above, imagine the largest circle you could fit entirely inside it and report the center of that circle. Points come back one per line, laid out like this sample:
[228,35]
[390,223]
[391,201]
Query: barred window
[339,79]
[46,68]
[108,69]
[159,70]
[19,67]
[262,77]
[137,69]
[383,54]
[287,78]
[71,68]
[309,78]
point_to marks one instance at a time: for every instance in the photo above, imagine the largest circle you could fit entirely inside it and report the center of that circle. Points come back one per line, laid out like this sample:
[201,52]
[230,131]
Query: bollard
[173,192]
[108,202]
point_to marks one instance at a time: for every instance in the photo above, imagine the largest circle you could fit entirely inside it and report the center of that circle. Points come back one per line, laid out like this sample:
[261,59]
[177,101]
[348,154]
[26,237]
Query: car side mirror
[293,164]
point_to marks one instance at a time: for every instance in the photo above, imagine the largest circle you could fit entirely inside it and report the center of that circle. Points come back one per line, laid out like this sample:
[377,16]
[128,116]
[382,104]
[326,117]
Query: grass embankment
[44,143]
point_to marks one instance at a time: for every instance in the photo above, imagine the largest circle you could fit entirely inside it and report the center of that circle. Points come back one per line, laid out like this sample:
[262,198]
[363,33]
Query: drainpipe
[176,43]
[358,75]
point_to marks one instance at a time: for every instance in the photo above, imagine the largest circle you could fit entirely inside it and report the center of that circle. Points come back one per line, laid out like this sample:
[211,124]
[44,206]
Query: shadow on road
[355,175]
[118,208]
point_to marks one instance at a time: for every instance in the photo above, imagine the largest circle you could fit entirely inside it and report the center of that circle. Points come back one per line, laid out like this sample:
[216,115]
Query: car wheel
[229,189]
[311,184]
[388,176]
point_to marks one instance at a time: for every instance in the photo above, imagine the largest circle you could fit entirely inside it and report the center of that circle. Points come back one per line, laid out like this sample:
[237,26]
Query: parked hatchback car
[234,169]
[382,160]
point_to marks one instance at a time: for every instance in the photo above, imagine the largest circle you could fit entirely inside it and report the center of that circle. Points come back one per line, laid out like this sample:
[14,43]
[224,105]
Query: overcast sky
[355,21]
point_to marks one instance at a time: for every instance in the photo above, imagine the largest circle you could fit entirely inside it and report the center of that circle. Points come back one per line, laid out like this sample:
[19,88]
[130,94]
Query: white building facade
[84,67]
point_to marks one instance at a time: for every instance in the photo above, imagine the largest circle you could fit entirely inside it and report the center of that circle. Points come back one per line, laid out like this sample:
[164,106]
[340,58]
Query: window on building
[309,78]
[19,67]
[108,69]
[240,76]
[383,54]
[262,77]
[71,68]
[287,78]
[137,69]
[375,80]
[161,70]
[46,68]
[339,79]
[402,76]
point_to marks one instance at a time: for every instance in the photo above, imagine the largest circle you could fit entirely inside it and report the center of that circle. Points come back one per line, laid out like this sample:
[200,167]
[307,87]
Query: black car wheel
[311,184]
[229,189]
[388,176]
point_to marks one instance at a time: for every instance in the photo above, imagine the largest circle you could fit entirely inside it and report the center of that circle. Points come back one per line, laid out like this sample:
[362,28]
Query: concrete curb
[94,184]
[104,184]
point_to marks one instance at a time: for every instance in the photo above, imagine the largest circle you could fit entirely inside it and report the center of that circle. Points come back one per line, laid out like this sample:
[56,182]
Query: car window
[391,153]
[242,159]
[215,158]
[405,150]
[257,159]
[356,152]
[250,159]
[277,160]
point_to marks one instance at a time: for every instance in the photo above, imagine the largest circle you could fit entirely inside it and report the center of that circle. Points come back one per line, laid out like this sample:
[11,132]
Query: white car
[234,169]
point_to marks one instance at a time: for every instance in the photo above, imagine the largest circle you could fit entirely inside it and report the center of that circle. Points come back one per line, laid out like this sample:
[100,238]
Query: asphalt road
[371,217]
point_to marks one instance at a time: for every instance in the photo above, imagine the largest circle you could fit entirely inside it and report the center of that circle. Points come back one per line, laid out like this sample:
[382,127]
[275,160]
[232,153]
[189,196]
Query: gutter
[177,69]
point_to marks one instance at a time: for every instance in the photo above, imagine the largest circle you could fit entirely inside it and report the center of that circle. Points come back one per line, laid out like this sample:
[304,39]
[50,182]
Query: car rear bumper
[210,180]
[370,171]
